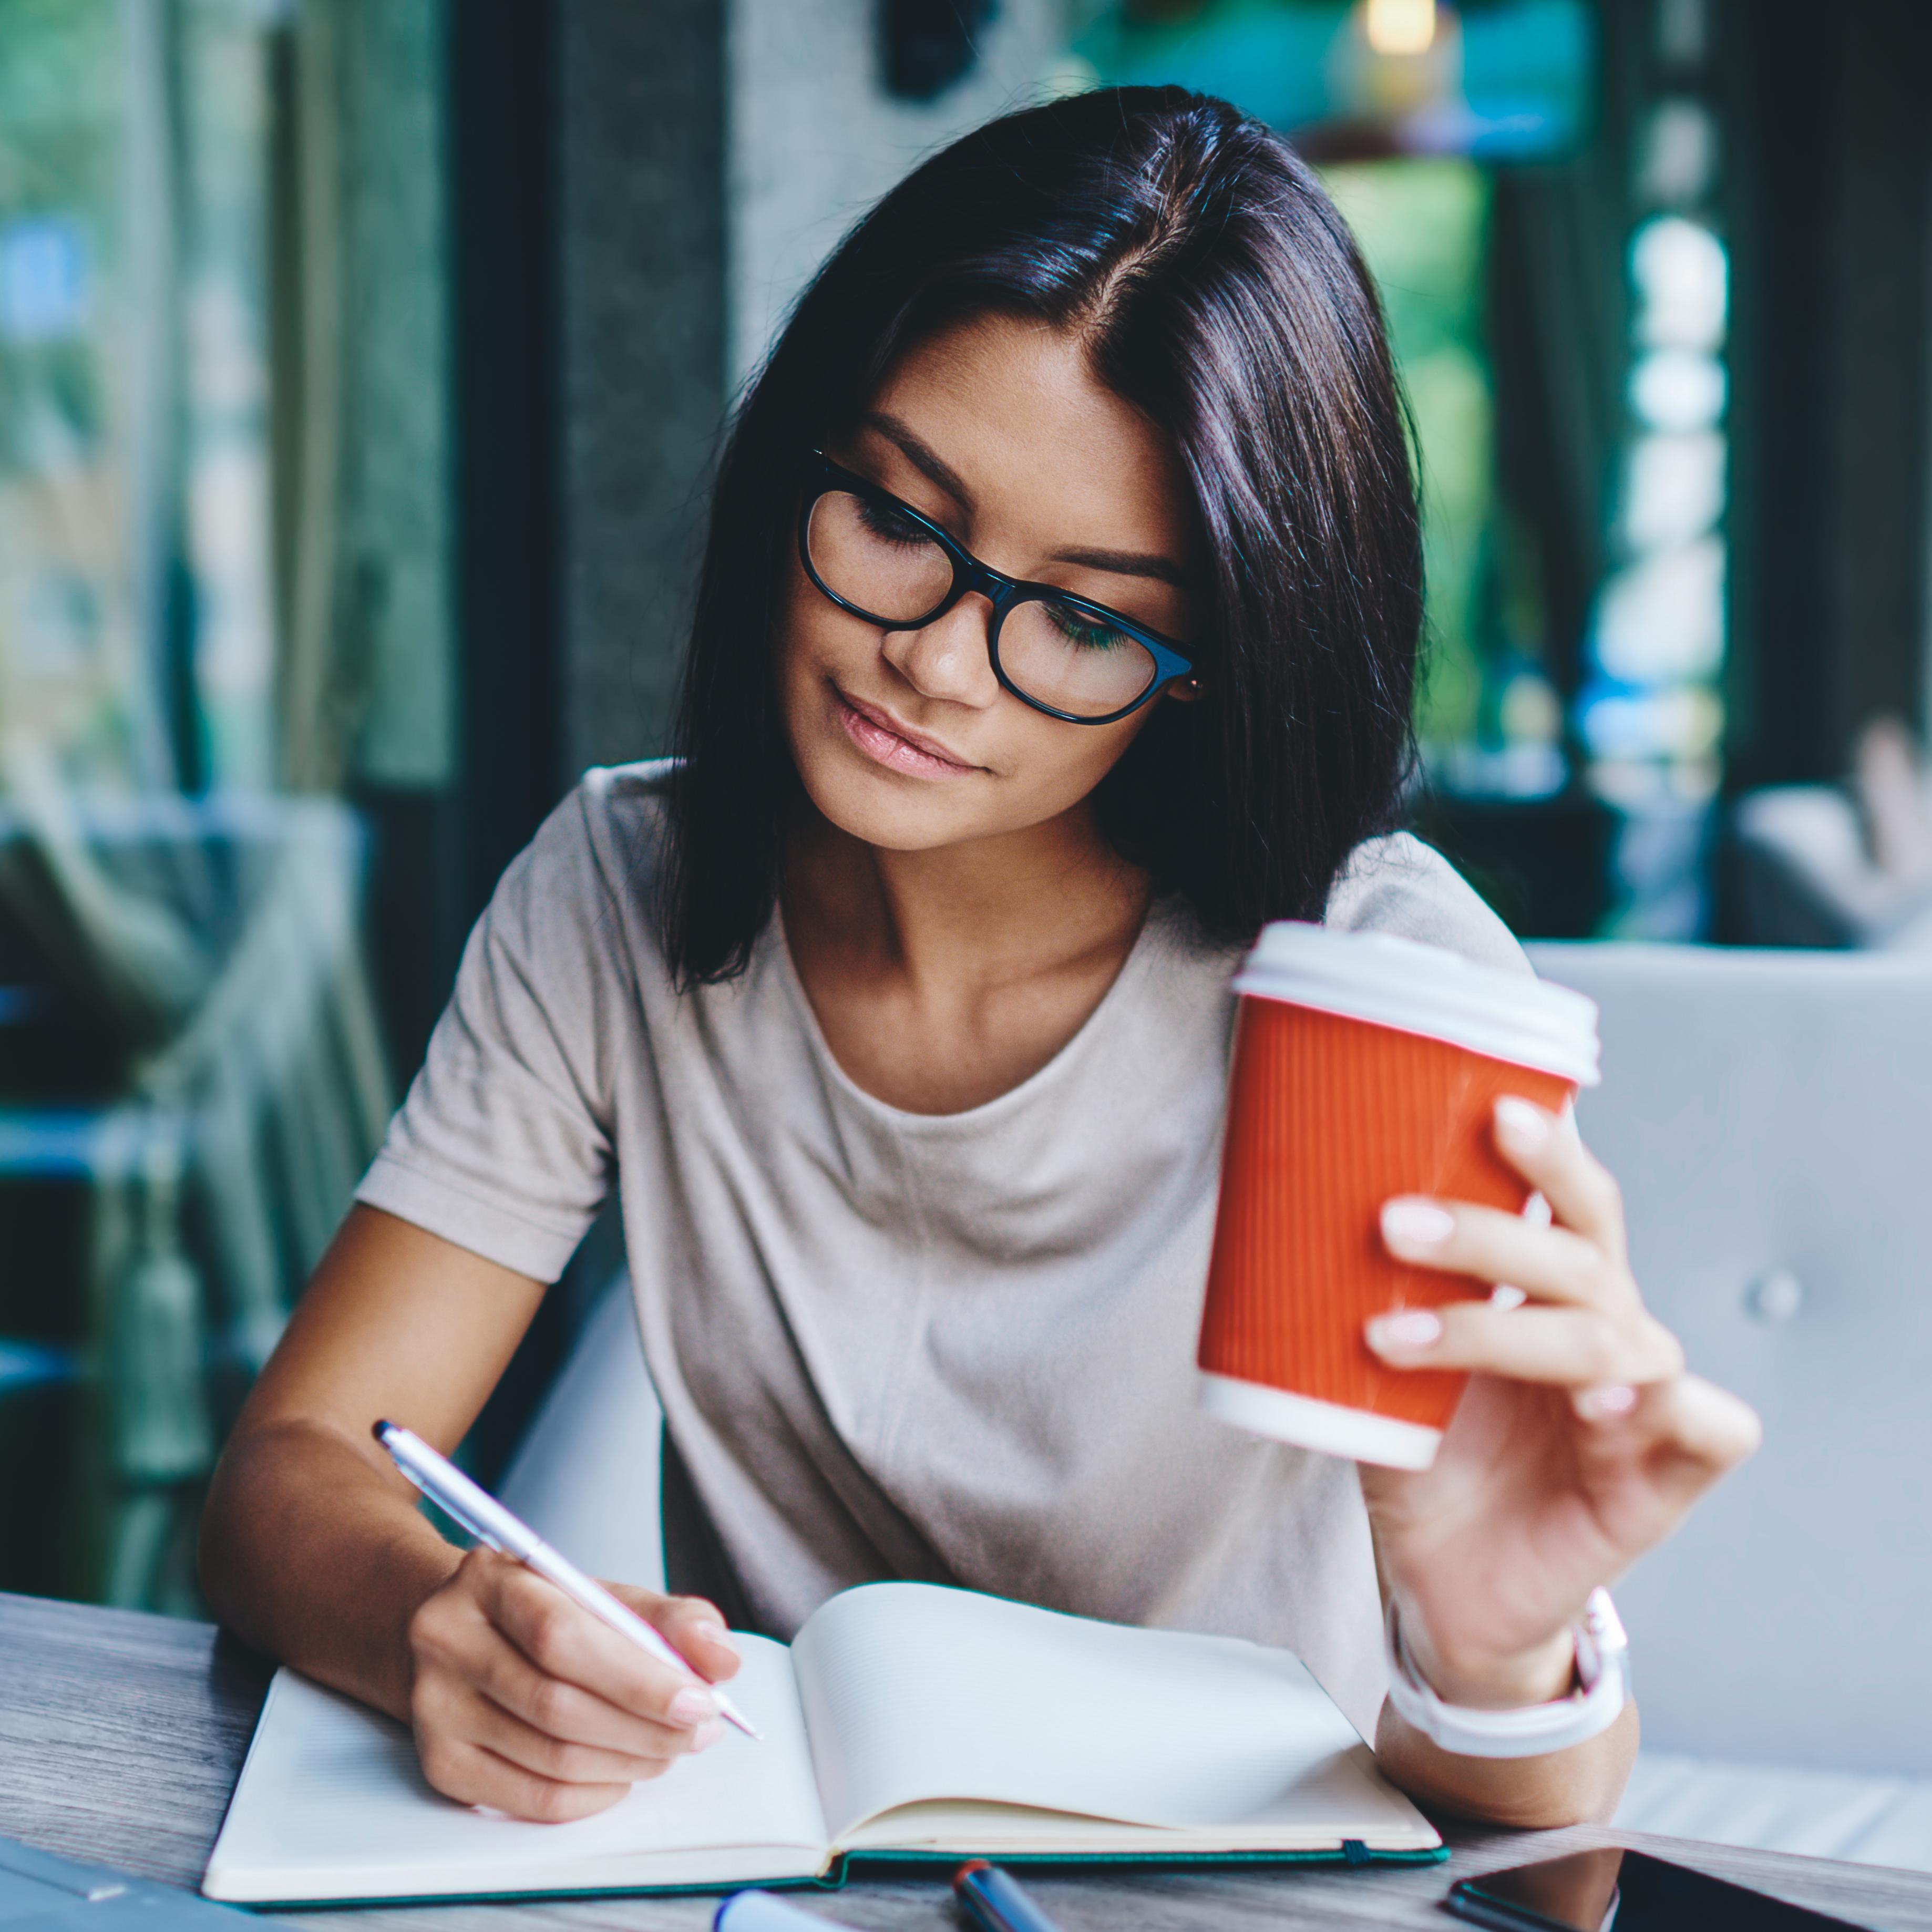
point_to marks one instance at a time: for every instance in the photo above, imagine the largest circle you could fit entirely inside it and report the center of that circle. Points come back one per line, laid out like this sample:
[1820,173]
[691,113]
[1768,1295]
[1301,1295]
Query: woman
[1057,628]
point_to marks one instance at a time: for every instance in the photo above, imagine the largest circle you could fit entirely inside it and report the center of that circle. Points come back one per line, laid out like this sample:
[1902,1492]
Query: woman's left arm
[1580,1443]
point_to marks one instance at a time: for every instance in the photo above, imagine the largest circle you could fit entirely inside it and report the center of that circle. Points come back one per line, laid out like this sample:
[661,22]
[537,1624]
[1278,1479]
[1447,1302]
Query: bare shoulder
[1397,884]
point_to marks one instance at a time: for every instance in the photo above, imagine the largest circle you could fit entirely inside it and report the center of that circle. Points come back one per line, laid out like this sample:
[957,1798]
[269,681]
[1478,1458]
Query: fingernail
[706,1735]
[715,1633]
[1505,1297]
[1413,1223]
[692,1707]
[1520,1126]
[1407,1328]
[1606,1403]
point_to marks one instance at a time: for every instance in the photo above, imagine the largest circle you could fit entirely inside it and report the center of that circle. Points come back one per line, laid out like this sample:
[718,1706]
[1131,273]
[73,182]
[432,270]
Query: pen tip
[380,1430]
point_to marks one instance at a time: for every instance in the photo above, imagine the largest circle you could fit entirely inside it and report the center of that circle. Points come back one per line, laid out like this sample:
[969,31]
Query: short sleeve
[503,1145]
[1398,885]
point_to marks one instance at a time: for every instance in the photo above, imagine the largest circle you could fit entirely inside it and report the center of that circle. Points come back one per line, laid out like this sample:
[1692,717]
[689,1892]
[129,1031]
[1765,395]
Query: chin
[878,808]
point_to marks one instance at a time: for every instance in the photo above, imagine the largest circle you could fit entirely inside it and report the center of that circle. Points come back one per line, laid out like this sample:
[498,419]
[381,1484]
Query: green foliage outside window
[65,652]
[1422,225]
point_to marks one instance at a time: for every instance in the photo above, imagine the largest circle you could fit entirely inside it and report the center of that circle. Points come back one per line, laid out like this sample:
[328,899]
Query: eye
[1084,631]
[890,524]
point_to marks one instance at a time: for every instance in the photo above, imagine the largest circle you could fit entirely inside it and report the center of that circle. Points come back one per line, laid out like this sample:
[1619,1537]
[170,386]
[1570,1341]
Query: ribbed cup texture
[1327,1118]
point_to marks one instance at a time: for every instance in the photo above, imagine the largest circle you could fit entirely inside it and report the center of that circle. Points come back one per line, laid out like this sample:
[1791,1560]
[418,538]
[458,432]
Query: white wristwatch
[1603,1688]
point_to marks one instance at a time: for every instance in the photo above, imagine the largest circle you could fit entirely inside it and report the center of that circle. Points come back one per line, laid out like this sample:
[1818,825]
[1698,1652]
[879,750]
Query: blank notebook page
[331,1787]
[914,1693]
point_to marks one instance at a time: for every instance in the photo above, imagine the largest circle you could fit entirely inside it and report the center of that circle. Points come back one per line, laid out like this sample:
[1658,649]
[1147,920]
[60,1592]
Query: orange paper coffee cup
[1365,1066]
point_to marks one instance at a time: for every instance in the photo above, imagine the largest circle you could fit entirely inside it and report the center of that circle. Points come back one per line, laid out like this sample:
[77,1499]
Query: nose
[948,658]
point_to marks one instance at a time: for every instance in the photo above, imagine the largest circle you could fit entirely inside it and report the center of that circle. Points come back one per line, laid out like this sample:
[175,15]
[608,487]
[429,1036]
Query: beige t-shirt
[954,1347]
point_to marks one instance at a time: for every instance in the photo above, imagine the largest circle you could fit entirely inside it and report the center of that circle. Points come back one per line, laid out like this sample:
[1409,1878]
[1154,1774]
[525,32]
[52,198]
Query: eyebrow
[936,470]
[921,455]
[1126,563]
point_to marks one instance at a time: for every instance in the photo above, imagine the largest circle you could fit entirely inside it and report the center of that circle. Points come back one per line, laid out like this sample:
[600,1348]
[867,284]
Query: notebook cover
[858,1863]
[1360,1854]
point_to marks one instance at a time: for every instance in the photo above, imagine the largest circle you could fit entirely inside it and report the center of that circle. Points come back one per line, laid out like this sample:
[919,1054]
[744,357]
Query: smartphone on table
[1611,1890]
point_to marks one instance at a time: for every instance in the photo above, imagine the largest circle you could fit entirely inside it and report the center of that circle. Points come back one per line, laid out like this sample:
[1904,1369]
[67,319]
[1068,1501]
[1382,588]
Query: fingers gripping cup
[1365,1066]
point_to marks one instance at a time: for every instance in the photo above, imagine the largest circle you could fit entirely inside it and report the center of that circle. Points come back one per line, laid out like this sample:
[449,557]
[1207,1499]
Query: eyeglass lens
[893,571]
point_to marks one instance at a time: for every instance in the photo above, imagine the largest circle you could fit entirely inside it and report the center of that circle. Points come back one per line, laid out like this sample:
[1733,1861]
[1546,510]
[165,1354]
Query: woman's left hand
[1580,1443]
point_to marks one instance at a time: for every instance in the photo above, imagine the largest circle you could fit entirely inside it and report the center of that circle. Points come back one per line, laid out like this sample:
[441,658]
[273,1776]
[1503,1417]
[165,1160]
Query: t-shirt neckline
[1015,1098]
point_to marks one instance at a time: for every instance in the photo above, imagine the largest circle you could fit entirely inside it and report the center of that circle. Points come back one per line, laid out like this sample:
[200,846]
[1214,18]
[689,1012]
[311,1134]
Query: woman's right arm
[314,1549]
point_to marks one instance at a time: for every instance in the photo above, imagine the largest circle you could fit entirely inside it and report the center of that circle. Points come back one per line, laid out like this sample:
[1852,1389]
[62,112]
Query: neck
[967,918]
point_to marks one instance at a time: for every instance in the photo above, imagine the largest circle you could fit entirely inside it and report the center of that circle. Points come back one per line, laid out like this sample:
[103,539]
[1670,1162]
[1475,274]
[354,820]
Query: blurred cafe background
[361,362]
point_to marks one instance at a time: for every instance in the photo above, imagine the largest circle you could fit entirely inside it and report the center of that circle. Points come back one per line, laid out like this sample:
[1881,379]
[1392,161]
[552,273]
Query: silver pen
[489,1522]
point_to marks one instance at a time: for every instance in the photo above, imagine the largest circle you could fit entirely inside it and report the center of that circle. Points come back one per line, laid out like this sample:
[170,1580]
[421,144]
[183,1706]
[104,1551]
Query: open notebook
[906,1721]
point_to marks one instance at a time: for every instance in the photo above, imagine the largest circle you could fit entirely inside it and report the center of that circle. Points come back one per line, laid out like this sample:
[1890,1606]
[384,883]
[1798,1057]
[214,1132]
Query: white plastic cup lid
[1427,990]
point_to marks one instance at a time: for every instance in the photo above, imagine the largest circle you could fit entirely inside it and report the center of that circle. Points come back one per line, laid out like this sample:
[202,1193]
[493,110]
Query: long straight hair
[1213,286]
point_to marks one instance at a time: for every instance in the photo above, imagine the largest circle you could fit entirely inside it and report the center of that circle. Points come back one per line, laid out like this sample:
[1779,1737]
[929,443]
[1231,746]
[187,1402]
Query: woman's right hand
[314,1549]
[522,1701]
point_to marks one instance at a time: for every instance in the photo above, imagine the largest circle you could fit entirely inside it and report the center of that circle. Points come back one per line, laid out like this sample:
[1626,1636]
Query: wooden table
[120,1736]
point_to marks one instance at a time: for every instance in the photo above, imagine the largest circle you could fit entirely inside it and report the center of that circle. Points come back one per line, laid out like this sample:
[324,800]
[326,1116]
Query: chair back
[1769,1117]
[587,1473]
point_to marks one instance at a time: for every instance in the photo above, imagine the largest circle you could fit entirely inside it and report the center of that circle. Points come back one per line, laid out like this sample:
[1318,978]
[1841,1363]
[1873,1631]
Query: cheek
[801,654]
[1053,765]
[815,636]
[1094,753]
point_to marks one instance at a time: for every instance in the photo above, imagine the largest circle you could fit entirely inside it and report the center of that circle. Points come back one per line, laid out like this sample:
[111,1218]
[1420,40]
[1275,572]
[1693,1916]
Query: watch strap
[1530,1730]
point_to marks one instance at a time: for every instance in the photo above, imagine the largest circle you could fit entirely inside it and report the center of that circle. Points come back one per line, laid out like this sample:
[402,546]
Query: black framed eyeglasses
[877,557]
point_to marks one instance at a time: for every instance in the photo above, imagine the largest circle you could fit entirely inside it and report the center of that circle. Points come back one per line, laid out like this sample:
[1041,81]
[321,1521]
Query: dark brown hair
[1216,289]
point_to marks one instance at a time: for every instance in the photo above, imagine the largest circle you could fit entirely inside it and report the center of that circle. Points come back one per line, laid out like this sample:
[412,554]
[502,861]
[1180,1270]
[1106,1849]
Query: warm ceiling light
[1400,26]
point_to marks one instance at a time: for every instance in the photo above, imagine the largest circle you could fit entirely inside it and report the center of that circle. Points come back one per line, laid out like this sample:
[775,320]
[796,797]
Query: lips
[887,741]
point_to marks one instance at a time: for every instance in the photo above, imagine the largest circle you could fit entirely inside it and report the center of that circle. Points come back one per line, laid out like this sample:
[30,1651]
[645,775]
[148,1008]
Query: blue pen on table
[995,1901]
[489,1522]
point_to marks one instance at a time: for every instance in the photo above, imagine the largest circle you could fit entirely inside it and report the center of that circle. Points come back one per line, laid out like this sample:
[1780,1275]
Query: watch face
[1611,1890]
